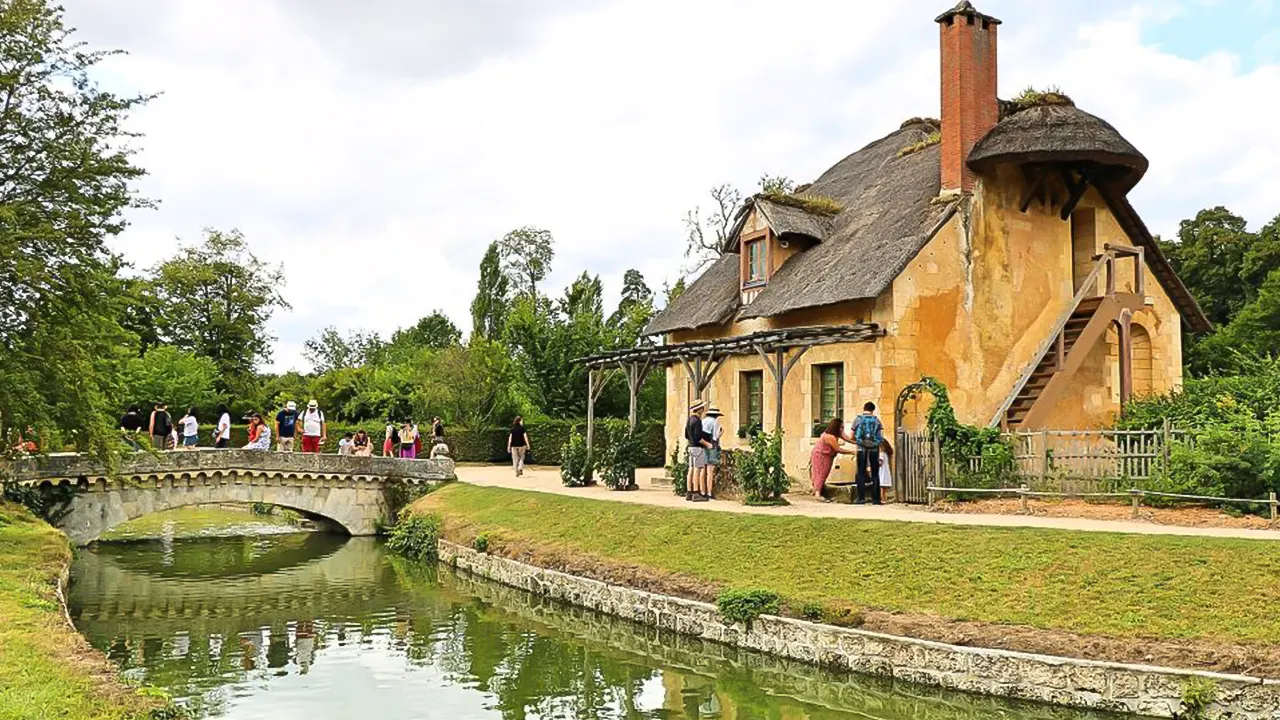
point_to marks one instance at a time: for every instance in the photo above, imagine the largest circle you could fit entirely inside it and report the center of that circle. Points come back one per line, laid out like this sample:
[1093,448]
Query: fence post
[1044,458]
[1022,495]
[929,496]
[1137,499]
[1273,507]
[1164,448]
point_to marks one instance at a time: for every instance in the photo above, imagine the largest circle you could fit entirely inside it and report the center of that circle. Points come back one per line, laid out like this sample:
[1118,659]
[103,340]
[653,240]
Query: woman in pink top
[824,454]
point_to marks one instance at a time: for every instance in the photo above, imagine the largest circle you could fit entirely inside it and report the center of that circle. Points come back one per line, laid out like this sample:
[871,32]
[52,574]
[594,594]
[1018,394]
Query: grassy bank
[913,578]
[47,670]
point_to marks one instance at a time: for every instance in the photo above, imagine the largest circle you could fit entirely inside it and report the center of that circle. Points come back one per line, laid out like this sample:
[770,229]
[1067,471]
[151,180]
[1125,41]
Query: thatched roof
[888,215]
[789,220]
[1059,133]
[710,300]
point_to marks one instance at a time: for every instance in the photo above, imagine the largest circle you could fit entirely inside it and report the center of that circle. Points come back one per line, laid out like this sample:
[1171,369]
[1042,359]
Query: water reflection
[289,627]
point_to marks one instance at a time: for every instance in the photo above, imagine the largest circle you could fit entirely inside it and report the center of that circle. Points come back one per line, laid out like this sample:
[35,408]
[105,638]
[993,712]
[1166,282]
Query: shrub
[678,470]
[415,537]
[401,494]
[575,462]
[1197,695]
[619,459]
[811,611]
[760,472]
[744,606]
[481,543]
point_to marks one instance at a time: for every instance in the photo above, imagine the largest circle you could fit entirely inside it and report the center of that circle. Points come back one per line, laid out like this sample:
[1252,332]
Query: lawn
[46,669]
[1100,584]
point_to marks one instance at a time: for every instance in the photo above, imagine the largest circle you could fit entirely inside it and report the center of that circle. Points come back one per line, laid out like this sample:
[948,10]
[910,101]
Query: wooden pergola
[702,359]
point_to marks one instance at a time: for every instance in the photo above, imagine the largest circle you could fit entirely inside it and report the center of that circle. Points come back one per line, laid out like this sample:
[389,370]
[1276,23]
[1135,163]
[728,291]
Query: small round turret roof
[1059,133]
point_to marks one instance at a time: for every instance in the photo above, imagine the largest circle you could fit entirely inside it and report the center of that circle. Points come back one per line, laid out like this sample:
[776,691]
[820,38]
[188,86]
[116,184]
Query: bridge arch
[350,492]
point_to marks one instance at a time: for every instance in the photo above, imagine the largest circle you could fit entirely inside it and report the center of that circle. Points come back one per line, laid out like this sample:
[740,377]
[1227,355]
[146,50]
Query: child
[886,476]
[344,445]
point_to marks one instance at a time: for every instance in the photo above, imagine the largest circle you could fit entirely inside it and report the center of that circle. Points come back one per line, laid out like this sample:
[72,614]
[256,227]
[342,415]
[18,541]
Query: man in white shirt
[314,429]
[711,426]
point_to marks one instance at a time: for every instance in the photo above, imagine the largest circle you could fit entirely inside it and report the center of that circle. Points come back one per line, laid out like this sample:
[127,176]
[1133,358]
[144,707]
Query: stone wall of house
[1116,687]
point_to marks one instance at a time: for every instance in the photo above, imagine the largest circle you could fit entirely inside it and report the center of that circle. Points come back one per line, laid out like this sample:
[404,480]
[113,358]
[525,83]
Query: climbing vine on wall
[961,442]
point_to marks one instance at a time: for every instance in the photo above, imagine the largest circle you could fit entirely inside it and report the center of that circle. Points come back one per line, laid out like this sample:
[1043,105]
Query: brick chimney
[969,105]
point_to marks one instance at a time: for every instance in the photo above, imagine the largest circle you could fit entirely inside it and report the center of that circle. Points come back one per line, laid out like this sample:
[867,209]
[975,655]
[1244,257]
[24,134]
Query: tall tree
[1209,255]
[526,258]
[66,175]
[707,231]
[635,309]
[489,308]
[434,332]
[216,299]
[331,350]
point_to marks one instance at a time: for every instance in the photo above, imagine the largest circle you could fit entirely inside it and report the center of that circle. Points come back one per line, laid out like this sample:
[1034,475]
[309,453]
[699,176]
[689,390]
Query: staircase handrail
[1107,255]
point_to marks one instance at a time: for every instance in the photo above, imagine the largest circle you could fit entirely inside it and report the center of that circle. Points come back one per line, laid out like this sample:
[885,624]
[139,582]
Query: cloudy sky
[376,148]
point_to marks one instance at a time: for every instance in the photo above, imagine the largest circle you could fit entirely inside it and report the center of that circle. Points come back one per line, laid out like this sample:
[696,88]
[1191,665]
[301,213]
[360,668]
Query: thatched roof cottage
[995,250]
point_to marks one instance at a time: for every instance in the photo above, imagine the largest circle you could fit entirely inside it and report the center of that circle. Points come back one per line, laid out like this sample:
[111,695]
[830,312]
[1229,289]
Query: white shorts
[697,457]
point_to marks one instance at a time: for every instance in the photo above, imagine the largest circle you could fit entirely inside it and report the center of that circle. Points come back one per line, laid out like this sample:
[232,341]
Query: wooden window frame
[744,398]
[762,237]
[838,411]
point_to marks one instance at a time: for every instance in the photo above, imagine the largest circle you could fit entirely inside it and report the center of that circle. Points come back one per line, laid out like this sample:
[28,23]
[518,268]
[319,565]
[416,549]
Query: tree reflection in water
[344,630]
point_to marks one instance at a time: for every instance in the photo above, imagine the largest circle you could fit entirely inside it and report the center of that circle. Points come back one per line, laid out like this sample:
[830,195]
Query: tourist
[222,433]
[439,450]
[259,434]
[361,444]
[160,426]
[711,427]
[314,429]
[824,455]
[437,431]
[131,425]
[190,430]
[27,444]
[344,444]
[287,426]
[698,445]
[392,441]
[518,445]
[886,473]
[417,441]
[868,433]
[408,440]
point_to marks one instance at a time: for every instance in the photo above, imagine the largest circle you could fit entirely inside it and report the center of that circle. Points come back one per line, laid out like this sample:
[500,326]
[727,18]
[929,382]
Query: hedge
[489,445]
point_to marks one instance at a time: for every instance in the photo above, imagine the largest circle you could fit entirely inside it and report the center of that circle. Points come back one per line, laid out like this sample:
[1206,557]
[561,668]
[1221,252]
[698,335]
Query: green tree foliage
[526,259]
[216,298]
[635,309]
[178,377]
[435,332]
[331,350]
[489,308]
[66,173]
[1221,262]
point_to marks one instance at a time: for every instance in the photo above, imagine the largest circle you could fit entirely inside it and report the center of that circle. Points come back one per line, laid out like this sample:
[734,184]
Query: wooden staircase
[1050,364]
[1077,331]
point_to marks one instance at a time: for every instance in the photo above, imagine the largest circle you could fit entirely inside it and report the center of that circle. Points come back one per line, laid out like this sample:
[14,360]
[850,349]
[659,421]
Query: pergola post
[779,367]
[596,380]
[701,372]
[636,375]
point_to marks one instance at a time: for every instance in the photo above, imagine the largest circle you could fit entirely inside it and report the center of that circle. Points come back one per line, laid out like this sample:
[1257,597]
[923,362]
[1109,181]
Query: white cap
[291,405]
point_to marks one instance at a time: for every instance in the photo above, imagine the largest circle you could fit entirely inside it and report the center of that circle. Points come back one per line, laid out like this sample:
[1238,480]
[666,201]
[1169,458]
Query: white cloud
[377,169]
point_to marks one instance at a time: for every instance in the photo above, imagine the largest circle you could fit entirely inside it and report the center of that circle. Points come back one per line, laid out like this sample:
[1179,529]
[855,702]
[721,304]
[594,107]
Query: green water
[313,626]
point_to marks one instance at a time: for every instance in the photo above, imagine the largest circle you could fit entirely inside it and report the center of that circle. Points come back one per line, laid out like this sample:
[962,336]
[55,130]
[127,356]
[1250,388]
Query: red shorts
[311,443]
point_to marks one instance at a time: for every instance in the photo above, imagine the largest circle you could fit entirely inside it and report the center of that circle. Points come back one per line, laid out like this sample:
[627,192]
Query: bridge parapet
[180,464]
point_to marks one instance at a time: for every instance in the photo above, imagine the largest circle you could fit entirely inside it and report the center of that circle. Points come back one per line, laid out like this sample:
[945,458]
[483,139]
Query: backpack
[867,432]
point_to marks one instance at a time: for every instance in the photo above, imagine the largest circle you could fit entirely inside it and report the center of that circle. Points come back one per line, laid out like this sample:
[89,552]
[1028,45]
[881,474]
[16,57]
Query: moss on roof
[935,122]
[933,139]
[1031,97]
[815,204]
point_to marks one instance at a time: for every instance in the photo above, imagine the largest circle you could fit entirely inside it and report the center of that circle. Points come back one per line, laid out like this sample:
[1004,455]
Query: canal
[315,626]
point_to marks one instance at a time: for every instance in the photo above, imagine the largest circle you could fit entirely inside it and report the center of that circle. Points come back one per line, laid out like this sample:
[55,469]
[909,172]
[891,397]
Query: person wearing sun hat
[313,428]
[711,428]
[698,446]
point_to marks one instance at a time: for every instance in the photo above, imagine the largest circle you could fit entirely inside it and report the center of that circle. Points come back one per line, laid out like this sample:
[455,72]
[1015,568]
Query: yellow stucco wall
[971,309]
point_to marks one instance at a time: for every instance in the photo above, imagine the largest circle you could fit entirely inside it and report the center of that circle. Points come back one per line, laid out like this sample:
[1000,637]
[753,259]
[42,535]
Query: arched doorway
[1143,369]
[917,459]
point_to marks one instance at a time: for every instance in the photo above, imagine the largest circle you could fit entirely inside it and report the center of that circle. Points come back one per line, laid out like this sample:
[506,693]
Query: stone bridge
[356,494]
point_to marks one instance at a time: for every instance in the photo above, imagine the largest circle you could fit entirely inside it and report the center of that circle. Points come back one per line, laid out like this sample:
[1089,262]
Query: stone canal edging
[1116,687]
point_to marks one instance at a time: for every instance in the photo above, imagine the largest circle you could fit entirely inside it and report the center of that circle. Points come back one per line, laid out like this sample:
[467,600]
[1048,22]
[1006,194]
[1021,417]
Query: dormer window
[754,272]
